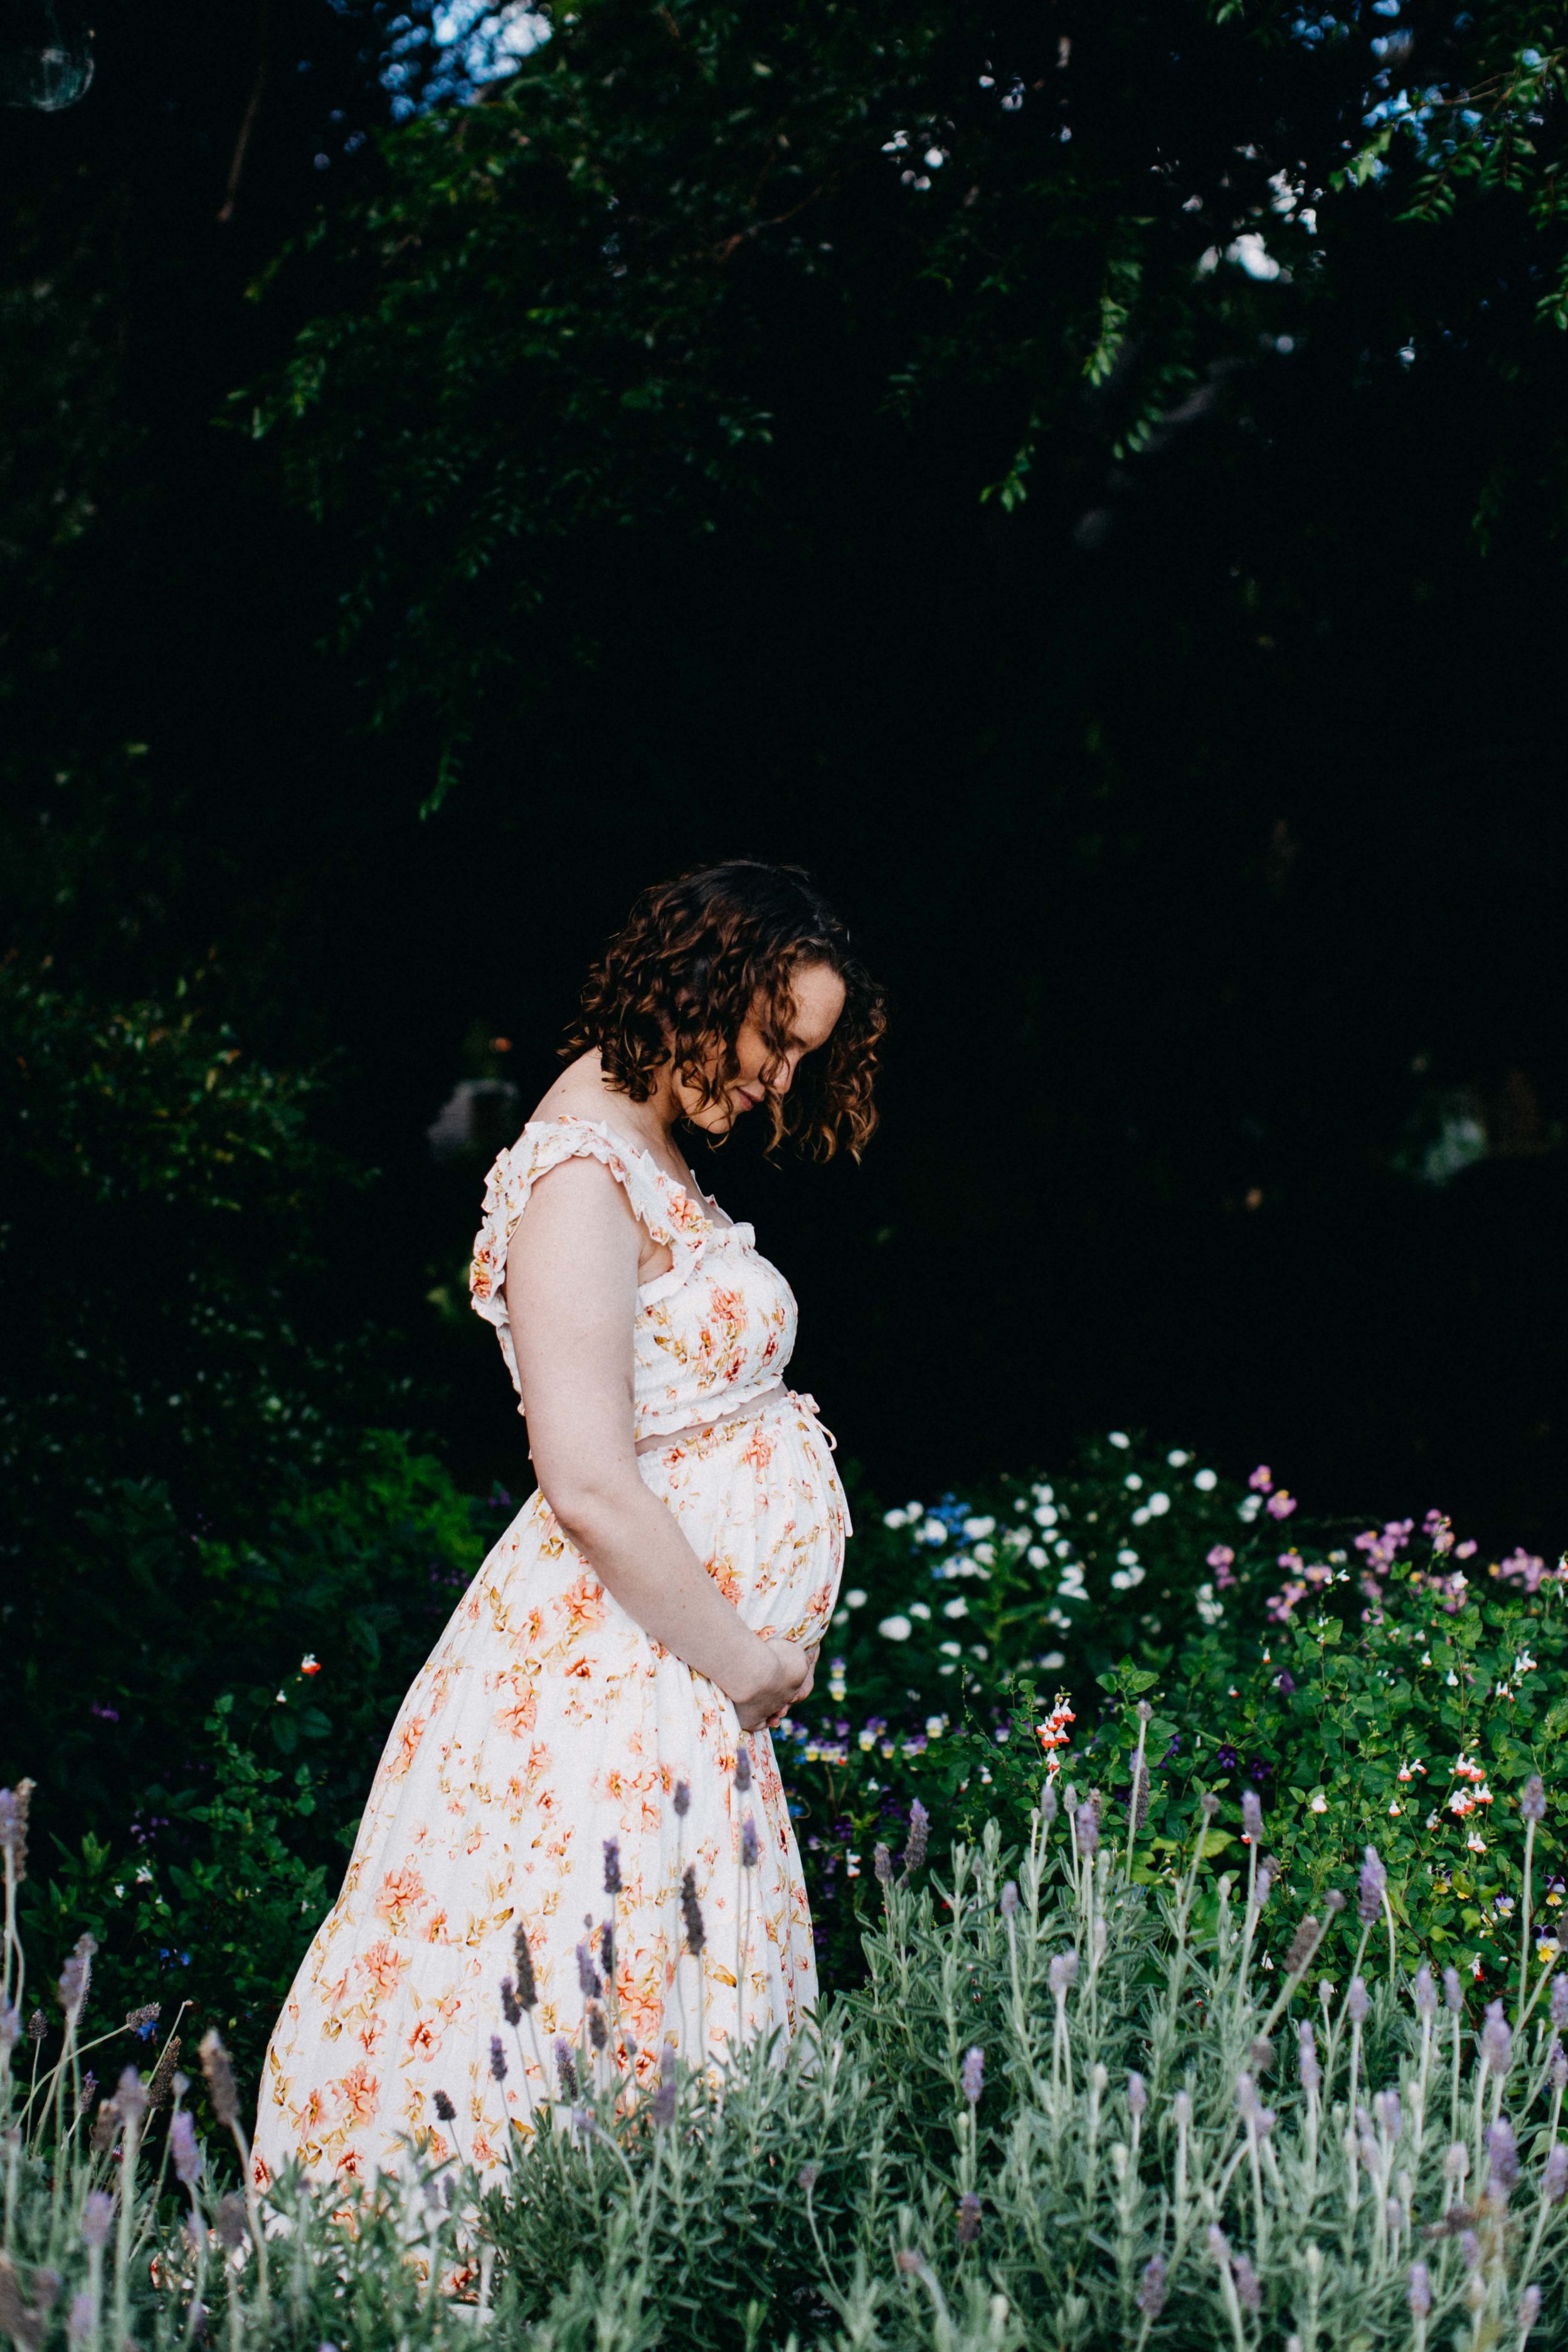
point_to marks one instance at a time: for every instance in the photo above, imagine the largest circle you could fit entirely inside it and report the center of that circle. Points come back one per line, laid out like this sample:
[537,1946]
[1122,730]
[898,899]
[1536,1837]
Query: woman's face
[818,1001]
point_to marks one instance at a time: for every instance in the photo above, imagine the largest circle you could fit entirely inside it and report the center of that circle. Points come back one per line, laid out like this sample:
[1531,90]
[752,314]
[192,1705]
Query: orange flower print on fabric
[546,1727]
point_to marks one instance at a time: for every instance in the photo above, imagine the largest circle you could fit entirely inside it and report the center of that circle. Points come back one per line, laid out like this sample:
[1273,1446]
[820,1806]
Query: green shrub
[1314,1665]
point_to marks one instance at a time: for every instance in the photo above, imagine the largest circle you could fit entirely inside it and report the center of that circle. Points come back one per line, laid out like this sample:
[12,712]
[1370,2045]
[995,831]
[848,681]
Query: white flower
[1158,1506]
[1253,255]
[957,1607]
[952,1649]
[1045,1514]
[1062,1547]
[1132,1482]
[919,1609]
[1124,1579]
[981,1527]
[935,1726]
[1052,1659]
[1317,1801]
[985,1553]
[1127,1559]
[1206,1481]
[1118,1438]
[894,1518]
[1177,1459]
[1043,1493]
[1035,1555]
[1475,1842]
[1250,1508]
[896,1628]
[933,1532]
[855,1599]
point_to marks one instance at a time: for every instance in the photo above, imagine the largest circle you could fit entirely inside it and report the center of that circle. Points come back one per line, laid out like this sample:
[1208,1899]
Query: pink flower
[1221,1560]
[1261,1479]
[1466,1551]
[1280,1505]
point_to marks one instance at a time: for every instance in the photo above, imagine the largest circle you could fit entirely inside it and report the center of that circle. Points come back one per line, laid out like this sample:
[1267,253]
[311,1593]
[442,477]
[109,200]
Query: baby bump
[760,1502]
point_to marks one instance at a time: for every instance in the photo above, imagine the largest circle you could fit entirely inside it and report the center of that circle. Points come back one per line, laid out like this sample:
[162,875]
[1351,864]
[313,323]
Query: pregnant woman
[577,1840]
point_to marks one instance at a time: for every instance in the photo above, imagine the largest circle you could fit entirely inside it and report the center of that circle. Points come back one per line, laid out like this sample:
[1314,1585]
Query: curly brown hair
[694,959]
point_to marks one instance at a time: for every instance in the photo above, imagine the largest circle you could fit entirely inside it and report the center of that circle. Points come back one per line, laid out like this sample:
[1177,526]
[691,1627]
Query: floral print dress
[561,1798]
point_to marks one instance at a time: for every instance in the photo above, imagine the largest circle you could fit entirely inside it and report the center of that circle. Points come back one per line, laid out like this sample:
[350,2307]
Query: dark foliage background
[414,539]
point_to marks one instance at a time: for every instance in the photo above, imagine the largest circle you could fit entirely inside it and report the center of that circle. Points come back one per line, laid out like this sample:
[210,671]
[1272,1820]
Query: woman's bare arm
[571,1298]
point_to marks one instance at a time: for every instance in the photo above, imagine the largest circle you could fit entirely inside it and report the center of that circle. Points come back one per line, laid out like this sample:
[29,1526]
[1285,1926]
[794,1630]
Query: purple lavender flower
[612,1865]
[76,1977]
[14,1805]
[808,2176]
[184,2147]
[1470,2248]
[1418,2293]
[498,2058]
[1557,2067]
[1048,1803]
[1151,2288]
[1137,2094]
[1356,2000]
[920,1831]
[527,1990]
[1307,2062]
[222,2089]
[1502,2159]
[1528,2311]
[1373,1886]
[96,2219]
[968,2218]
[587,1974]
[509,2002]
[81,2320]
[1218,2245]
[607,1950]
[1252,1816]
[692,1913]
[565,2069]
[748,1844]
[1085,1821]
[972,2075]
[1387,2114]
[598,2026]
[1533,1798]
[1009,1900]
[682,1798]
[1554,2175]
[1063,1973]
[444,2110]
[1559,2004]
[1497,2040]
[664,2098]
[1453,1991]
[1426,1993]
[882,1865]
[1334,1901]
[743,1768]
[1249,2293]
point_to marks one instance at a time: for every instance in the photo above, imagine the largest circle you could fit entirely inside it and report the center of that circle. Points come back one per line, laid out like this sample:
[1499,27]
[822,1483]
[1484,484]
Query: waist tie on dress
[769,1397]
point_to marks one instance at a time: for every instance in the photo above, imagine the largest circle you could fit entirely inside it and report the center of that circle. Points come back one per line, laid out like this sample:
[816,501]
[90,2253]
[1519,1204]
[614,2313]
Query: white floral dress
[554,1769]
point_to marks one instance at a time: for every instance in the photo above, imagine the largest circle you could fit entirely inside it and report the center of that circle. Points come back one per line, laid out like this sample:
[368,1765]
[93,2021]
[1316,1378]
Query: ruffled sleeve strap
[667,1214]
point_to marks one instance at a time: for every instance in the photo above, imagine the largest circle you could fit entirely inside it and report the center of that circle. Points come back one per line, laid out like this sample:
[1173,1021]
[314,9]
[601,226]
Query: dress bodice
[713,1332]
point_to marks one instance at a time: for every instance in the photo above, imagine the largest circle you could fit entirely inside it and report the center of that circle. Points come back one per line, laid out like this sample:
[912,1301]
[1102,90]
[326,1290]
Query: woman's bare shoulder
[581,1091]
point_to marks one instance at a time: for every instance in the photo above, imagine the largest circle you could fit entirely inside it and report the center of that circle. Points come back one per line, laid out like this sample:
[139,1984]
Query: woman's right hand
[785,1675]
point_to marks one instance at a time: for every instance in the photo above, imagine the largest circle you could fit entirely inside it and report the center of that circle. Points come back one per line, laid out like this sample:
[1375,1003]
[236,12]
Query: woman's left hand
[813,1651]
